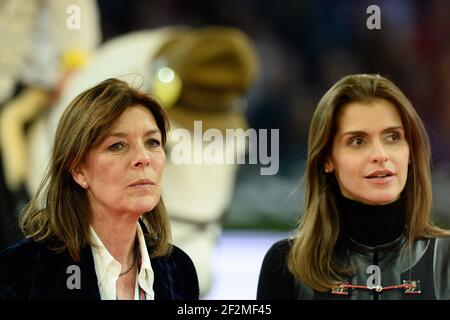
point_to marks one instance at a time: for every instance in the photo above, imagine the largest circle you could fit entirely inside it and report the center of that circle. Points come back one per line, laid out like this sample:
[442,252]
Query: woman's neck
[372,225]
[118,234]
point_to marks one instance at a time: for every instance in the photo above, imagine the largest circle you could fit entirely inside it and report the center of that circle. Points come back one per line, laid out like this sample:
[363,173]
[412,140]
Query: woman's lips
[382,180]
[141,186]
[143,183]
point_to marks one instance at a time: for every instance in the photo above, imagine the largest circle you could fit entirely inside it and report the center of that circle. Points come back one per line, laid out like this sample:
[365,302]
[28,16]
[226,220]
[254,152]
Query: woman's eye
[153,142]
[116,146]
[393,137]
[356,141]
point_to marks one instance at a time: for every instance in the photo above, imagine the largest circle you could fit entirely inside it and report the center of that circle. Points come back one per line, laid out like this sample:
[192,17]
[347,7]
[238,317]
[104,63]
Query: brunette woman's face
[123,173]
[370,154]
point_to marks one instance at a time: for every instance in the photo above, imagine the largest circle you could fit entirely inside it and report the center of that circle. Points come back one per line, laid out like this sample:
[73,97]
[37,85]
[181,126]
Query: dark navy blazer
[30,270]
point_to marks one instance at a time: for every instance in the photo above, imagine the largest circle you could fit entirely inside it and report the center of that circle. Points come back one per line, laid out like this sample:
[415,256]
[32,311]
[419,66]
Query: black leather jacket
[426,263]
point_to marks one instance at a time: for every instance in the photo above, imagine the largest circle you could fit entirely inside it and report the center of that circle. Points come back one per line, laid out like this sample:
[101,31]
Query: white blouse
[108,269]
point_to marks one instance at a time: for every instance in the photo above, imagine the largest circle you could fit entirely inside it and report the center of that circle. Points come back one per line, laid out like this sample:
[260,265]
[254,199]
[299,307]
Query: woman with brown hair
[97,228]
[366,231]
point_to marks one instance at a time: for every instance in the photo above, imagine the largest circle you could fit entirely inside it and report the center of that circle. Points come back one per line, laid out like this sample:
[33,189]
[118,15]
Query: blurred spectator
[45,41]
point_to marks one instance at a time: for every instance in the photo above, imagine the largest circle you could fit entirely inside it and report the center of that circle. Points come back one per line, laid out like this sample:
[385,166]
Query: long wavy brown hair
[60,210]
[311,258]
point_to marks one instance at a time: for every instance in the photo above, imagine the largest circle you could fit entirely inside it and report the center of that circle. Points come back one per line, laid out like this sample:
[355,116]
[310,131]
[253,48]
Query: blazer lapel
[57,276]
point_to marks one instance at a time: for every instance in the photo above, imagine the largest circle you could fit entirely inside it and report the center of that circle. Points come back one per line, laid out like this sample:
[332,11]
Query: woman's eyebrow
[152,132]
[364,133]
[124,135]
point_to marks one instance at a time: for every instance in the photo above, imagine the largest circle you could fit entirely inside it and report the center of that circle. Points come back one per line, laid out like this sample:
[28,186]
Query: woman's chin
[143,204]
[141,208]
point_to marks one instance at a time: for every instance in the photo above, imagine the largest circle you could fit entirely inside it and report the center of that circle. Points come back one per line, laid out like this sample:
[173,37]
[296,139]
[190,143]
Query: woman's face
[123,173]
[370,153]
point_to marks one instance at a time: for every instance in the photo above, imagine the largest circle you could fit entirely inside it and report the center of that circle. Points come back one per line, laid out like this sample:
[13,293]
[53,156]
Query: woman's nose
[141,157]
[379,154]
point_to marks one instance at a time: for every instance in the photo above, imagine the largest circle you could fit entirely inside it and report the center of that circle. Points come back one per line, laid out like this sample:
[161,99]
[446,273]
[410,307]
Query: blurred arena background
[305,46]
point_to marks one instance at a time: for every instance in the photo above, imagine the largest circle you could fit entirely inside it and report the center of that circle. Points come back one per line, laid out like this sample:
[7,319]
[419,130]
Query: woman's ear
[329,166]
[79,177]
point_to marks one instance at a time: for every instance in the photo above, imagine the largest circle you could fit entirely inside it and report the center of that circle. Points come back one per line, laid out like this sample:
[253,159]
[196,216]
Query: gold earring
[326,170]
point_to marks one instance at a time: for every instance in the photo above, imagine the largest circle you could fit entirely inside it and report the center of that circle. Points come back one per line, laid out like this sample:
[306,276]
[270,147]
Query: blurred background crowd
[303,47]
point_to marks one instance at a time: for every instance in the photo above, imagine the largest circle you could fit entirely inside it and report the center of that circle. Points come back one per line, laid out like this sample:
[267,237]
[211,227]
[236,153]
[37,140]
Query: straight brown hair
[311,258]
[60,210]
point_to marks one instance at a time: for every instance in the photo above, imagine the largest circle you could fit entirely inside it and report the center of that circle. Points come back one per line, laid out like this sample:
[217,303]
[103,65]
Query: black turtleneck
[372,225]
